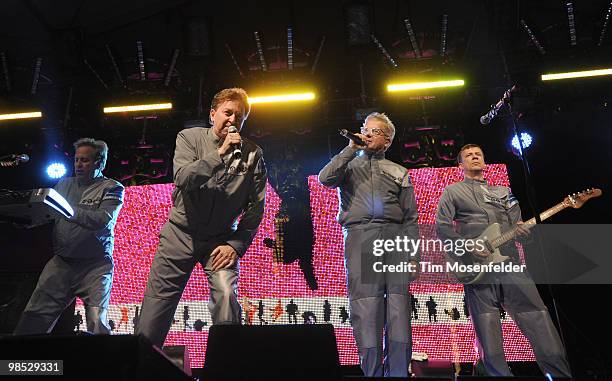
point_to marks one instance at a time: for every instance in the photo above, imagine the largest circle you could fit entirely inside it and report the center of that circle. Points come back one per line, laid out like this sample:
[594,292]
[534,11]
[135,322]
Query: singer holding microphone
[376,202]
[218,175]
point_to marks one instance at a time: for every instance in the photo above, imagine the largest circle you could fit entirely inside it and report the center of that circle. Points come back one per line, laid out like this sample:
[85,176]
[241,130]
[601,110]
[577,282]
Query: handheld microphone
[349,135]
[237,152]
[13,160]
[23,158]
[489,116]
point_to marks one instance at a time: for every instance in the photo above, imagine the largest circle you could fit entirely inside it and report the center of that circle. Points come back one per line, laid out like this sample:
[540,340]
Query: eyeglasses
[373,131]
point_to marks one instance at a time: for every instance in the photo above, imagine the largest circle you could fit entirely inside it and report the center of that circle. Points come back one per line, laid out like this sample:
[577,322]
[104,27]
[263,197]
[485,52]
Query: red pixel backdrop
[273,284]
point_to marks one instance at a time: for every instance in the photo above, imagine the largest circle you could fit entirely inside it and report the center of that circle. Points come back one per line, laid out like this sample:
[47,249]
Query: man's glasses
[373,131]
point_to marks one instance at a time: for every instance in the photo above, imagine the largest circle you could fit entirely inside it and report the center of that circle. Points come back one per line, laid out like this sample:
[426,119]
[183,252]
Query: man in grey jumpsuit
[376,202]
[83,246]
[214,185]
[473,204]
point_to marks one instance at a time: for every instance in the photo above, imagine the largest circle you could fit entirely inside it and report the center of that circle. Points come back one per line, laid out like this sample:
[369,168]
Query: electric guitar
[494,238]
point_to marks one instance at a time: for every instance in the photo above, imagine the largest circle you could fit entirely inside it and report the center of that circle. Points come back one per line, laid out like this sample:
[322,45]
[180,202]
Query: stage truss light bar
[36,75]
[141,61]
[572,22]
[133,108]
[318,55]
[290,48]
[533,38]
[115,66]
[412,36]
[384,51]
[229,50]
[260,52]
[602,35]
[175,56]
[5,72]
[395,87]
[283,98]
[443,35]
[21,115]
[576,74]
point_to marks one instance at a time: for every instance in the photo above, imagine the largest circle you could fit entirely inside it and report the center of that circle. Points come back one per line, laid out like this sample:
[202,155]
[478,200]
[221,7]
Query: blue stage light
[56,170]
[526,140]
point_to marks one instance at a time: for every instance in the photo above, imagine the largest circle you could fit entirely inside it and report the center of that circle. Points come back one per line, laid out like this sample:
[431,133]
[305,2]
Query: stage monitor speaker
[272,351]
[514,378]
[117,357]
[433,368]
[179,355]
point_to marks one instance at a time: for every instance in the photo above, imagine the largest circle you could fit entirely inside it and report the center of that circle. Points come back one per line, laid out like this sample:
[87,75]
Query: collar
[88,182]
[380,155]
[212,136]
[468,180]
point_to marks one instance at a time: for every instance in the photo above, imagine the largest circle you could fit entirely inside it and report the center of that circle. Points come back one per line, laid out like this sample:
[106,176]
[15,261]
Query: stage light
[56,170]
[413,40]
[572,22]
[133,108]
[533,38]
[384,51]
[394,87]
[283,98]
[260,53]
[22,115]
[576,74]
[602,35]
[525,138]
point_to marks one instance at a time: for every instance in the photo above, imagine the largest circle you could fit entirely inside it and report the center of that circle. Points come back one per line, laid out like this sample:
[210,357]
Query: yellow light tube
[576,74]
[394,87]
[283,98]
[22,115]
[156,106]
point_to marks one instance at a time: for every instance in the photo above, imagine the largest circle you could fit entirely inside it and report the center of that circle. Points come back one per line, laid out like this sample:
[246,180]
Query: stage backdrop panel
[275,291]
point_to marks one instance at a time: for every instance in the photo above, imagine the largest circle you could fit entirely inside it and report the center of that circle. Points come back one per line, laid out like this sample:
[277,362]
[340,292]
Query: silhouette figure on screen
[327,310]
[125,318]
[198,325]
[249,311]
[343,314]
[136,317]
[466,311]
[186,318]
[309,317]
[260,313]
[431,309]
[277,311]
[415,307]
[111,324]
[78,320]
[453,313]
[292,310]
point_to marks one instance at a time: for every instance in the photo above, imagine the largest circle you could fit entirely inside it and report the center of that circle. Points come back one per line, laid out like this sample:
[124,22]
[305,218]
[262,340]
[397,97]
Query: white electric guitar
[494,238]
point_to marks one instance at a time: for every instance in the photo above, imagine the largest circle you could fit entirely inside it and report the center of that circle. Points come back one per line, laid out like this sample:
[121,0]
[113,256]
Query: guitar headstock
[576,200]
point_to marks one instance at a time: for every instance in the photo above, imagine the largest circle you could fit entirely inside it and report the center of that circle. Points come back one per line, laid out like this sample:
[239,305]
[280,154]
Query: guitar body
[494,238]
[491,233]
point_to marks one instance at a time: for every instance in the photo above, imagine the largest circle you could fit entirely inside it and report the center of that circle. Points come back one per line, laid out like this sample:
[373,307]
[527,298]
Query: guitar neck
[509,235]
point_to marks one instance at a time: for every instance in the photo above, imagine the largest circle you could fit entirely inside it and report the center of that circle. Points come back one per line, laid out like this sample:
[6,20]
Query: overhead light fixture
[133,108]
[394,87]
[22,115]
[283,98]
[576,74]
[532,36]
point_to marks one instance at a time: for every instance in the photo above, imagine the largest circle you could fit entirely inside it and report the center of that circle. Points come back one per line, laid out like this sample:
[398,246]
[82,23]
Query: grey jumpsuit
[211,193]
[83,264]
[376,202]
[473,205]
